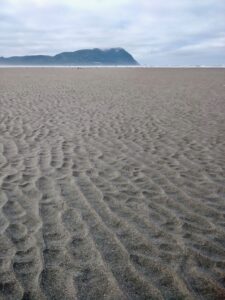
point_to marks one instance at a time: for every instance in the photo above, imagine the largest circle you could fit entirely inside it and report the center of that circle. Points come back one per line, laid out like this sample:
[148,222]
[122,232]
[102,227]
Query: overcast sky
[155,32]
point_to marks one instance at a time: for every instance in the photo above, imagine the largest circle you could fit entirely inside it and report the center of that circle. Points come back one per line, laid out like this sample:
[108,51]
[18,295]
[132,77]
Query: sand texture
[112,184]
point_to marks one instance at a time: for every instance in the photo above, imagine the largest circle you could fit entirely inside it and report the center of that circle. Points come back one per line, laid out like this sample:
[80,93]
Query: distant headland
[84,57]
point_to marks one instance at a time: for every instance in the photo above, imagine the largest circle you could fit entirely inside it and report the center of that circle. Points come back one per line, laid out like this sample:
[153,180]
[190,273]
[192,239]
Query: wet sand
[112,184]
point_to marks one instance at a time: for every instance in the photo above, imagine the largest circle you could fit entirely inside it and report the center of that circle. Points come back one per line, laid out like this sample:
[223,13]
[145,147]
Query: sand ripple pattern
[112,184]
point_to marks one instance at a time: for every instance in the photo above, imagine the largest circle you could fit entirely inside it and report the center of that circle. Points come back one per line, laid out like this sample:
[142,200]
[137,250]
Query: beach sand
[112,183]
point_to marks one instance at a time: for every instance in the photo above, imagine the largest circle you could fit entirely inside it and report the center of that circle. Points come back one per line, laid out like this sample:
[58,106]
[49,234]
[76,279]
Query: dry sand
[112,184]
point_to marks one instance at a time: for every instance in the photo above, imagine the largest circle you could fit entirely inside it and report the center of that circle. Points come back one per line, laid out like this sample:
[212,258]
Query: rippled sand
[112,184]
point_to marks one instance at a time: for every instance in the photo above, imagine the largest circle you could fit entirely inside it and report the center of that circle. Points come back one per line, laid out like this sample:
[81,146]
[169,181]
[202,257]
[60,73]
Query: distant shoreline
[114,67]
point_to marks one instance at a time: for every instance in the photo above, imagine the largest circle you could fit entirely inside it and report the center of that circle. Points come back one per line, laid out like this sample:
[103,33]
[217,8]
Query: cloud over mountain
[156,32]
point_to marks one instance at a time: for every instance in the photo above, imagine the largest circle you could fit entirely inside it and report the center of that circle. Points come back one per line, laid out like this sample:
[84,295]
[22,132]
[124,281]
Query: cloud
[156,32]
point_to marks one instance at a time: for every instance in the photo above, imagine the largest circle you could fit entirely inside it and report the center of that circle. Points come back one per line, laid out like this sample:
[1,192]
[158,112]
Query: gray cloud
[156,33]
